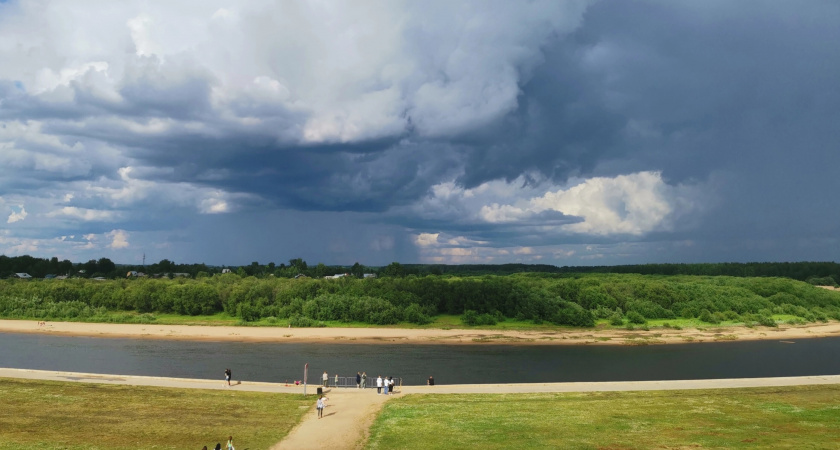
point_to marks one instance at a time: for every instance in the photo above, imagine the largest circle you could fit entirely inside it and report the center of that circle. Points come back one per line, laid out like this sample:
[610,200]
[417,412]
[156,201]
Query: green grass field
[787,418]
[76,416]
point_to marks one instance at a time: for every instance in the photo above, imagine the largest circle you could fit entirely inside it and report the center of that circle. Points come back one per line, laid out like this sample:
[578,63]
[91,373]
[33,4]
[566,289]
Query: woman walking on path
[230,443]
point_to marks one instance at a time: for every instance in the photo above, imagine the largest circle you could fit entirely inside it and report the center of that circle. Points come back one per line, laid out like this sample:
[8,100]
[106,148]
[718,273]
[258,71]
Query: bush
[706,316]
[574,315]
[766,321]
[616,320]
[300,321]
[634,317]
[472,318]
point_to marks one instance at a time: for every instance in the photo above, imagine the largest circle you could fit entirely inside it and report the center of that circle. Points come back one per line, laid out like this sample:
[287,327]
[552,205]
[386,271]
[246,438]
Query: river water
[450,364]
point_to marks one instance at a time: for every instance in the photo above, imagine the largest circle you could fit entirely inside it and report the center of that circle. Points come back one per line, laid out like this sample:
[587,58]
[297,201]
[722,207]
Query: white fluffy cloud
[301,71]
[119,239]
[632,204]
[17,216]
[635,204]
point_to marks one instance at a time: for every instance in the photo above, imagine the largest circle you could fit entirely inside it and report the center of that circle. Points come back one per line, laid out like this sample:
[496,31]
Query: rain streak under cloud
[559,132]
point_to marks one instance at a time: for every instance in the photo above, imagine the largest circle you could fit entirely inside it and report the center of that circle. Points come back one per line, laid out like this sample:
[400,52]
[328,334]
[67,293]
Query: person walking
[325,378]
[364,380]
[227,376]
[320,405]
[336,380]
[230,443]
[379,385]
[358,380]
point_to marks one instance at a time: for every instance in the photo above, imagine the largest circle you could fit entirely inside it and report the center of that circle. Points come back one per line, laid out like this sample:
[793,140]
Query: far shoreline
[592,336]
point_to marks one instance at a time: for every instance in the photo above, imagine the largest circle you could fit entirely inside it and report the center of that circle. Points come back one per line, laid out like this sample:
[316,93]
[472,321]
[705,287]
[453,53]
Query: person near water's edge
[364,380]
[431,381]
[358,380]
[227,376]
[325,378]
[379,385]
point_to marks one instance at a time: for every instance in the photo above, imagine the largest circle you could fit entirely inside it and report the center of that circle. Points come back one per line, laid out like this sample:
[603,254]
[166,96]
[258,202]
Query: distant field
[76,416]
[786,417]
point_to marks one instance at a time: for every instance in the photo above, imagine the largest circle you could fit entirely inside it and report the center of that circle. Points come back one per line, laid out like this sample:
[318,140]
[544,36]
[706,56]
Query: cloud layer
[561,132]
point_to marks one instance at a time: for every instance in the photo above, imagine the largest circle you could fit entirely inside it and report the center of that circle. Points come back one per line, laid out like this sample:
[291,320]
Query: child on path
[320,405]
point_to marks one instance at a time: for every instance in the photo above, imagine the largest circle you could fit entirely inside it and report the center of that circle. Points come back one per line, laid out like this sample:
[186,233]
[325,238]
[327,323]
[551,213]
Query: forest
[825,273]
[565,299]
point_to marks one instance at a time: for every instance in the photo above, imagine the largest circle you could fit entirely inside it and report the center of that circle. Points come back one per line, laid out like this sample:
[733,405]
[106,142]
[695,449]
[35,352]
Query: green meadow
[785,417]
[84,416]
[77,416]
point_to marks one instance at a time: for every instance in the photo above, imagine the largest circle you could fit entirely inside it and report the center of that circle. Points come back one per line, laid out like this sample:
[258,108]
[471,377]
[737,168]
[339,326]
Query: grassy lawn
[787,417]
[53,415]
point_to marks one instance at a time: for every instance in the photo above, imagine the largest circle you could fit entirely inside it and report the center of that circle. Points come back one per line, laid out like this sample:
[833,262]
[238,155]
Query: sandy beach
[592,336]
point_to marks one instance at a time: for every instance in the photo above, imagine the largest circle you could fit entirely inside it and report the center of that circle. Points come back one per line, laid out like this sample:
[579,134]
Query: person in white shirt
[320,405]
[378,384]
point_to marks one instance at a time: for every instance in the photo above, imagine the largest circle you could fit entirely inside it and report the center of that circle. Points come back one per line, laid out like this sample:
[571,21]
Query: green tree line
[562,299]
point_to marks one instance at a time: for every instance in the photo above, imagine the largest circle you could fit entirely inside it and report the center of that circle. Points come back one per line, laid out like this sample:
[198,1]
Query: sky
[470,132]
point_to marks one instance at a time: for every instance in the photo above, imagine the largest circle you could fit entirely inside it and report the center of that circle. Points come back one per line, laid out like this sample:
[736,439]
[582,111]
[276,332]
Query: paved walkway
[350,411]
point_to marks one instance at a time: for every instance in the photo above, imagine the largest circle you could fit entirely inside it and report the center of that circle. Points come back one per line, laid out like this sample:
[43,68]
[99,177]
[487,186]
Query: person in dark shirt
[431,381]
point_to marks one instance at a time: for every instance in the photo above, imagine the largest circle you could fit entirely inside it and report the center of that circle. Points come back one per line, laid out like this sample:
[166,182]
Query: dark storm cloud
[737,99]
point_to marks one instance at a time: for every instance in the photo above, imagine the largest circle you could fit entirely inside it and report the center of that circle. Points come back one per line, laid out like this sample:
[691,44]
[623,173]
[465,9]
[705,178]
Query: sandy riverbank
[422,336]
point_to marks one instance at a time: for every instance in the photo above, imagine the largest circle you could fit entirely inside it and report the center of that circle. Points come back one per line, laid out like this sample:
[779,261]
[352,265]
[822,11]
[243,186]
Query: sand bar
[592,336]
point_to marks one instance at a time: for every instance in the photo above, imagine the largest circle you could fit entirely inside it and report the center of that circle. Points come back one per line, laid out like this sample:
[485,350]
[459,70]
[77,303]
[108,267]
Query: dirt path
[347,419]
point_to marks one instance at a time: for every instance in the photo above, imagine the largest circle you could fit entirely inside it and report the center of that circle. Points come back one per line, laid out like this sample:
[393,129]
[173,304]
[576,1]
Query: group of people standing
[387,384]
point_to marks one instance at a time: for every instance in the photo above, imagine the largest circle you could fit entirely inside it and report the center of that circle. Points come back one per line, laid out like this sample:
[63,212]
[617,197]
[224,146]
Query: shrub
[634,317]
[766,321]
[706,316]
[616,320]
[574,315]
[472,318]
[300,321]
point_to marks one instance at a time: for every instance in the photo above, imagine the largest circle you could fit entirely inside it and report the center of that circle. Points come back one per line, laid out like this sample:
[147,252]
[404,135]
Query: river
[450,364]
